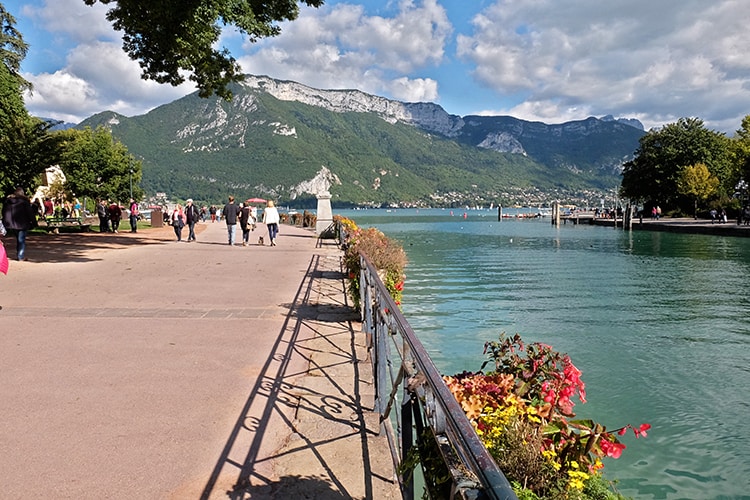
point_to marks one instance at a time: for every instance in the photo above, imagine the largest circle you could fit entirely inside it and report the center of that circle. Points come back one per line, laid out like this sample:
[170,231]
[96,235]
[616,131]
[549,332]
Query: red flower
[611,449]
[641,431]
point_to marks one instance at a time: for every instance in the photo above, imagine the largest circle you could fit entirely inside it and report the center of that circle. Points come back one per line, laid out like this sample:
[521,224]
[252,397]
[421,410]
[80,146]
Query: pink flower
[641,431]
[611,449]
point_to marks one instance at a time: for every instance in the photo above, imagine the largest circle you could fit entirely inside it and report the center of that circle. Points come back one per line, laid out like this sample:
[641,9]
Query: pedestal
[324,213]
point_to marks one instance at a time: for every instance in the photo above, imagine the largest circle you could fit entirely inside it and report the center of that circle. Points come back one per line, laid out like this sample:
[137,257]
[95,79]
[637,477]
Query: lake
[657,322]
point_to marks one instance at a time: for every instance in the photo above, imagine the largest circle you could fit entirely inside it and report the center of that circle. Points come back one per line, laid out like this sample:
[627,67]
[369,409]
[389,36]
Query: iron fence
[412,398]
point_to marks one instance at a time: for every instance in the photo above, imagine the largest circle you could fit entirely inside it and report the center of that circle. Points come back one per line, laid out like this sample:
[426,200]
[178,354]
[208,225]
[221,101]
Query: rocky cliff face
[427,116]
[504,134]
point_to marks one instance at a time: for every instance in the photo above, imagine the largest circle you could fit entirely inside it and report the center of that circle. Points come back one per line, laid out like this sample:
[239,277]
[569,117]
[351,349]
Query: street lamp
[131,183]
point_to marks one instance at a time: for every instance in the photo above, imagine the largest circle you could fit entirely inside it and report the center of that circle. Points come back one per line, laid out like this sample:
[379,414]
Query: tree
[662,155]
[12,47]
[741,149]
[97,166]
[26,147]
[696,182]
[173,35]
[26,150]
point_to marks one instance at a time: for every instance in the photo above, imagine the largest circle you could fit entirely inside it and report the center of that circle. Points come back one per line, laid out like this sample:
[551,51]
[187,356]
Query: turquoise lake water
[657,323]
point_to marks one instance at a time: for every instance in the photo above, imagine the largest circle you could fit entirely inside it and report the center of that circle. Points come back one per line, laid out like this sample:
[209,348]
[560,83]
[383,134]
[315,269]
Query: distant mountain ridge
[288,141]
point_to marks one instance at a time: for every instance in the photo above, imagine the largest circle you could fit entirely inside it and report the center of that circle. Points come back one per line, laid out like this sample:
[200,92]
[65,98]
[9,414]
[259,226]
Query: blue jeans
[232,230]
[273,230]
[21,244]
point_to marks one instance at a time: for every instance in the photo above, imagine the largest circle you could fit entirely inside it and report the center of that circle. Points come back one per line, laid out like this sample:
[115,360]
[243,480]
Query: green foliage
[12,47]
[653,174]
[740,151]
[97,166]
[26,148]
[170,36]
[697,183]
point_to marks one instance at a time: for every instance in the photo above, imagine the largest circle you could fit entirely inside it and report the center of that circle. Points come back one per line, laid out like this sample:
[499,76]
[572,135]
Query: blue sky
[546,60]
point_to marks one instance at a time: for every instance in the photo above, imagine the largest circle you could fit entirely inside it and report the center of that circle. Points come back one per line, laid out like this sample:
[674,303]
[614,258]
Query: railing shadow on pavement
[411,395]
[276,395]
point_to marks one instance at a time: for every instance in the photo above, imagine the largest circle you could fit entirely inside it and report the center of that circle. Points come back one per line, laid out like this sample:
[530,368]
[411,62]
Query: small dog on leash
[260,240]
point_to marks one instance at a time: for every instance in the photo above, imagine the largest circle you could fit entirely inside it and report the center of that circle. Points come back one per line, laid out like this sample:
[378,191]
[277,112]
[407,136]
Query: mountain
[286,141]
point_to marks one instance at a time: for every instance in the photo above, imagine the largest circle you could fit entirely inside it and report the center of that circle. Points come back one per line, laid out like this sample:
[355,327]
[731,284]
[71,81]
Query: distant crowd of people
[244,215]
[20,214]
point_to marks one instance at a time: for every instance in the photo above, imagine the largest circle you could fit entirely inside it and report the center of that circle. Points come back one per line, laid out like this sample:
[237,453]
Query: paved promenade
[136,367]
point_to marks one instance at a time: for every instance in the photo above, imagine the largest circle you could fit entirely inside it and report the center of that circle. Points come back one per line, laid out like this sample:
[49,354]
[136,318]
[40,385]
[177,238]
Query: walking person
[193,216]
[230,213]
[18,217]
[271,220]
[178,221]
[212,210]
[246,223]
[133,210]
[103,214]
[115,215]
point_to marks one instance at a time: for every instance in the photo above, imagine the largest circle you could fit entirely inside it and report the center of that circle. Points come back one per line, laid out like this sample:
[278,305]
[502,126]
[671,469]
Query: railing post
[407,441]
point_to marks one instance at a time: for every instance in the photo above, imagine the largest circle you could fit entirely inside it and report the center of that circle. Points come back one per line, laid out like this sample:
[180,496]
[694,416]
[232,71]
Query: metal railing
[411,395]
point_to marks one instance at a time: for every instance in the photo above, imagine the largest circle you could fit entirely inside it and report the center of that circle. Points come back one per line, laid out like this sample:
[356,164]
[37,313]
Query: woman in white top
[271,220]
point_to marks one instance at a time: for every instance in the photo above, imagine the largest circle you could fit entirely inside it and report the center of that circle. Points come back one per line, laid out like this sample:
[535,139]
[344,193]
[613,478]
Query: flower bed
[386,254]
[522,411]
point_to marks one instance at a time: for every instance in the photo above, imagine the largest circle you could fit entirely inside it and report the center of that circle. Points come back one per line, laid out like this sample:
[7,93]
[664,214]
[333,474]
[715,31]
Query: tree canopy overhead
[169,37]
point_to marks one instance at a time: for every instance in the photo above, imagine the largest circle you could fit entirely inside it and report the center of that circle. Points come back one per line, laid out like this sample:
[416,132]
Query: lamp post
[741,194]
[131,183]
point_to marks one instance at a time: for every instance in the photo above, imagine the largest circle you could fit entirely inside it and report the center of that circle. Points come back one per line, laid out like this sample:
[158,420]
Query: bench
[55,223]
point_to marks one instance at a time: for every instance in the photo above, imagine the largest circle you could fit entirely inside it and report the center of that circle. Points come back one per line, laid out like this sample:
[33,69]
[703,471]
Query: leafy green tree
[696,182]
[741,149]
[653,174]
[97,166]
[26,148]
[169,36]
[12,47]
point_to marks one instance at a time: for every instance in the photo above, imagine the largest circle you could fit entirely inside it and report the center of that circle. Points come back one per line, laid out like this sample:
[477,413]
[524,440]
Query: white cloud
[97,77]
[535,59]
[343,47]
[73,19]
[658,61]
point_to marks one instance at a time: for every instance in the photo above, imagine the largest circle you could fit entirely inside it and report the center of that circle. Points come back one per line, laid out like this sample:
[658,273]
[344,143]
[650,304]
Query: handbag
[3,259]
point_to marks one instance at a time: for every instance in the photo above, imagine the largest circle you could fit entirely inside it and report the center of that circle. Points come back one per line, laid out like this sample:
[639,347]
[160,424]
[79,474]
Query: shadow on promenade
[327,455]
[81,247]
